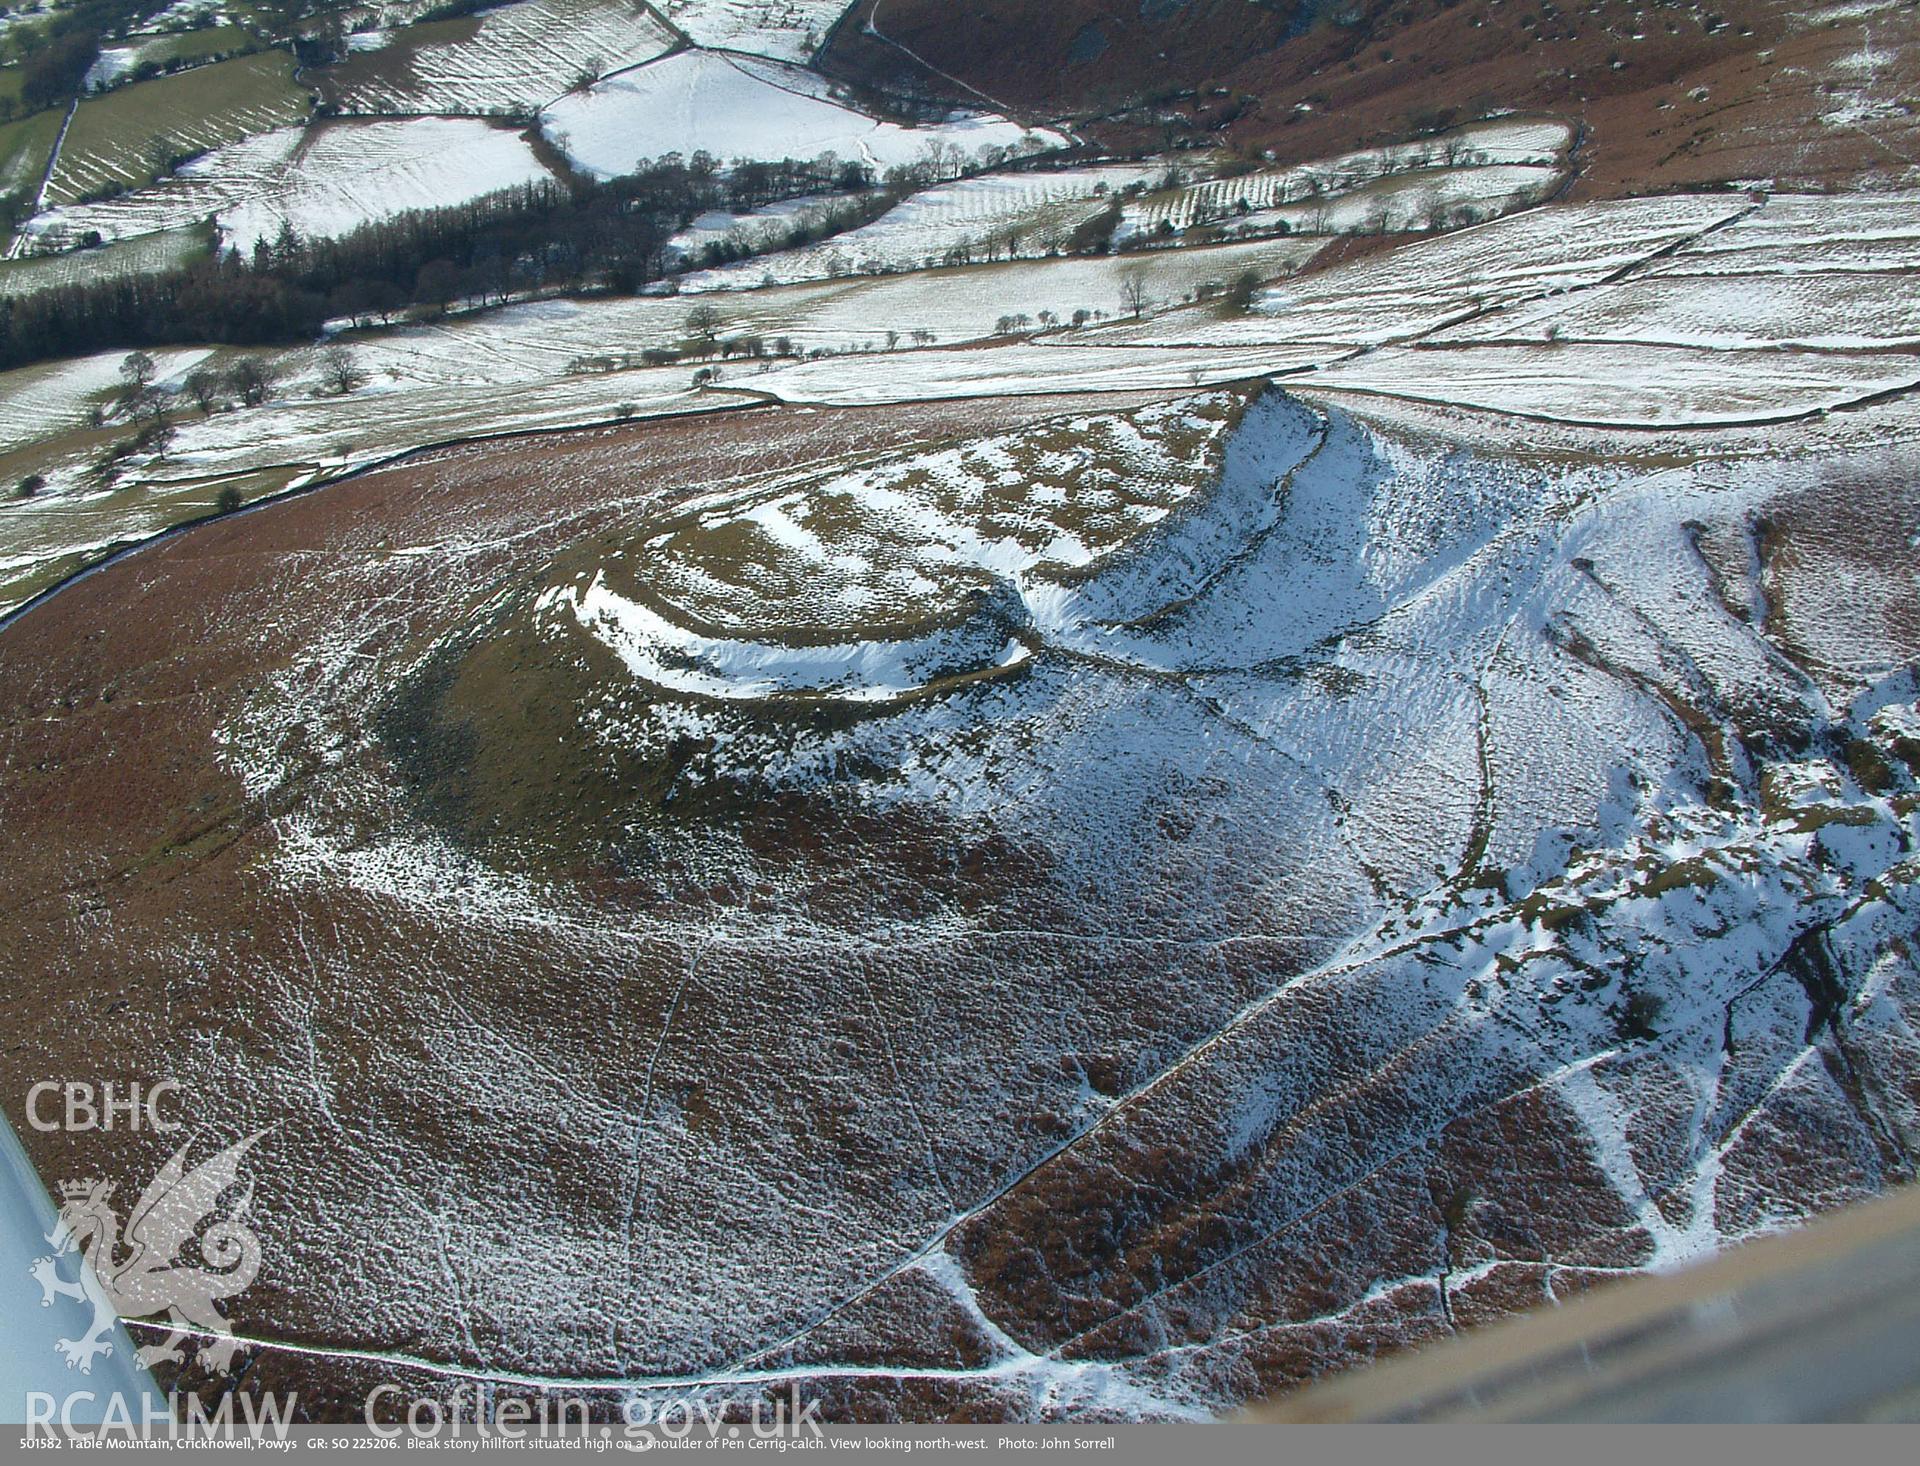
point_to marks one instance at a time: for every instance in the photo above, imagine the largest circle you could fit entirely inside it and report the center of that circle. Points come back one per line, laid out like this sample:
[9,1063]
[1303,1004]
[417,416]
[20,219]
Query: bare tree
[155,438]
[1133,292]
[138,396]
[340,374]
[203,386]
[1244,290]
[136,370]
[250,380]
[144,404]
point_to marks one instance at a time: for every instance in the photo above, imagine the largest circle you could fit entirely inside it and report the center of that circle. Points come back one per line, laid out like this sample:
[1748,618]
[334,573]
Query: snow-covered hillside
[1505,845]
[1012,712]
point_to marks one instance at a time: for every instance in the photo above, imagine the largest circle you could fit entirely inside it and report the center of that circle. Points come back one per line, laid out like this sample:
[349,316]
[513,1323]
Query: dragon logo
[181,1254]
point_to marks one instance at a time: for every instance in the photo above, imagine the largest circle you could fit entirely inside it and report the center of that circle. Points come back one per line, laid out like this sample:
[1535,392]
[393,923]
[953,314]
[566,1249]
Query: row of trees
[222,301]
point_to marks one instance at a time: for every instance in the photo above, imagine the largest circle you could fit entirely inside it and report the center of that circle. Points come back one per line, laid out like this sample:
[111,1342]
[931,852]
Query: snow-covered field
[1625,385]
[737,107]
[197,192]
[968,303]
[1307,195]
[1020,371]
[39,401]
[1851,311]
[25,147]
[522,344]
[1644,352]
[68,525]
[1409,202]
[321,434]
[416,392]
[164,48]
[787,30]
[995,215]
[756,230]
[1810,234]
[517,58]
[109,66]
[114,137]
[1431,283]
[139,255]
[187,12]
[1030,213]
[323,180]
[346,174]
[527,363]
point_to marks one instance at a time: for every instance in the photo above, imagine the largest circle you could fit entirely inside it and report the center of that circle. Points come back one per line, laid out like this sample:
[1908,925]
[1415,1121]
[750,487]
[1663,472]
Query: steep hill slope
[1671,95]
